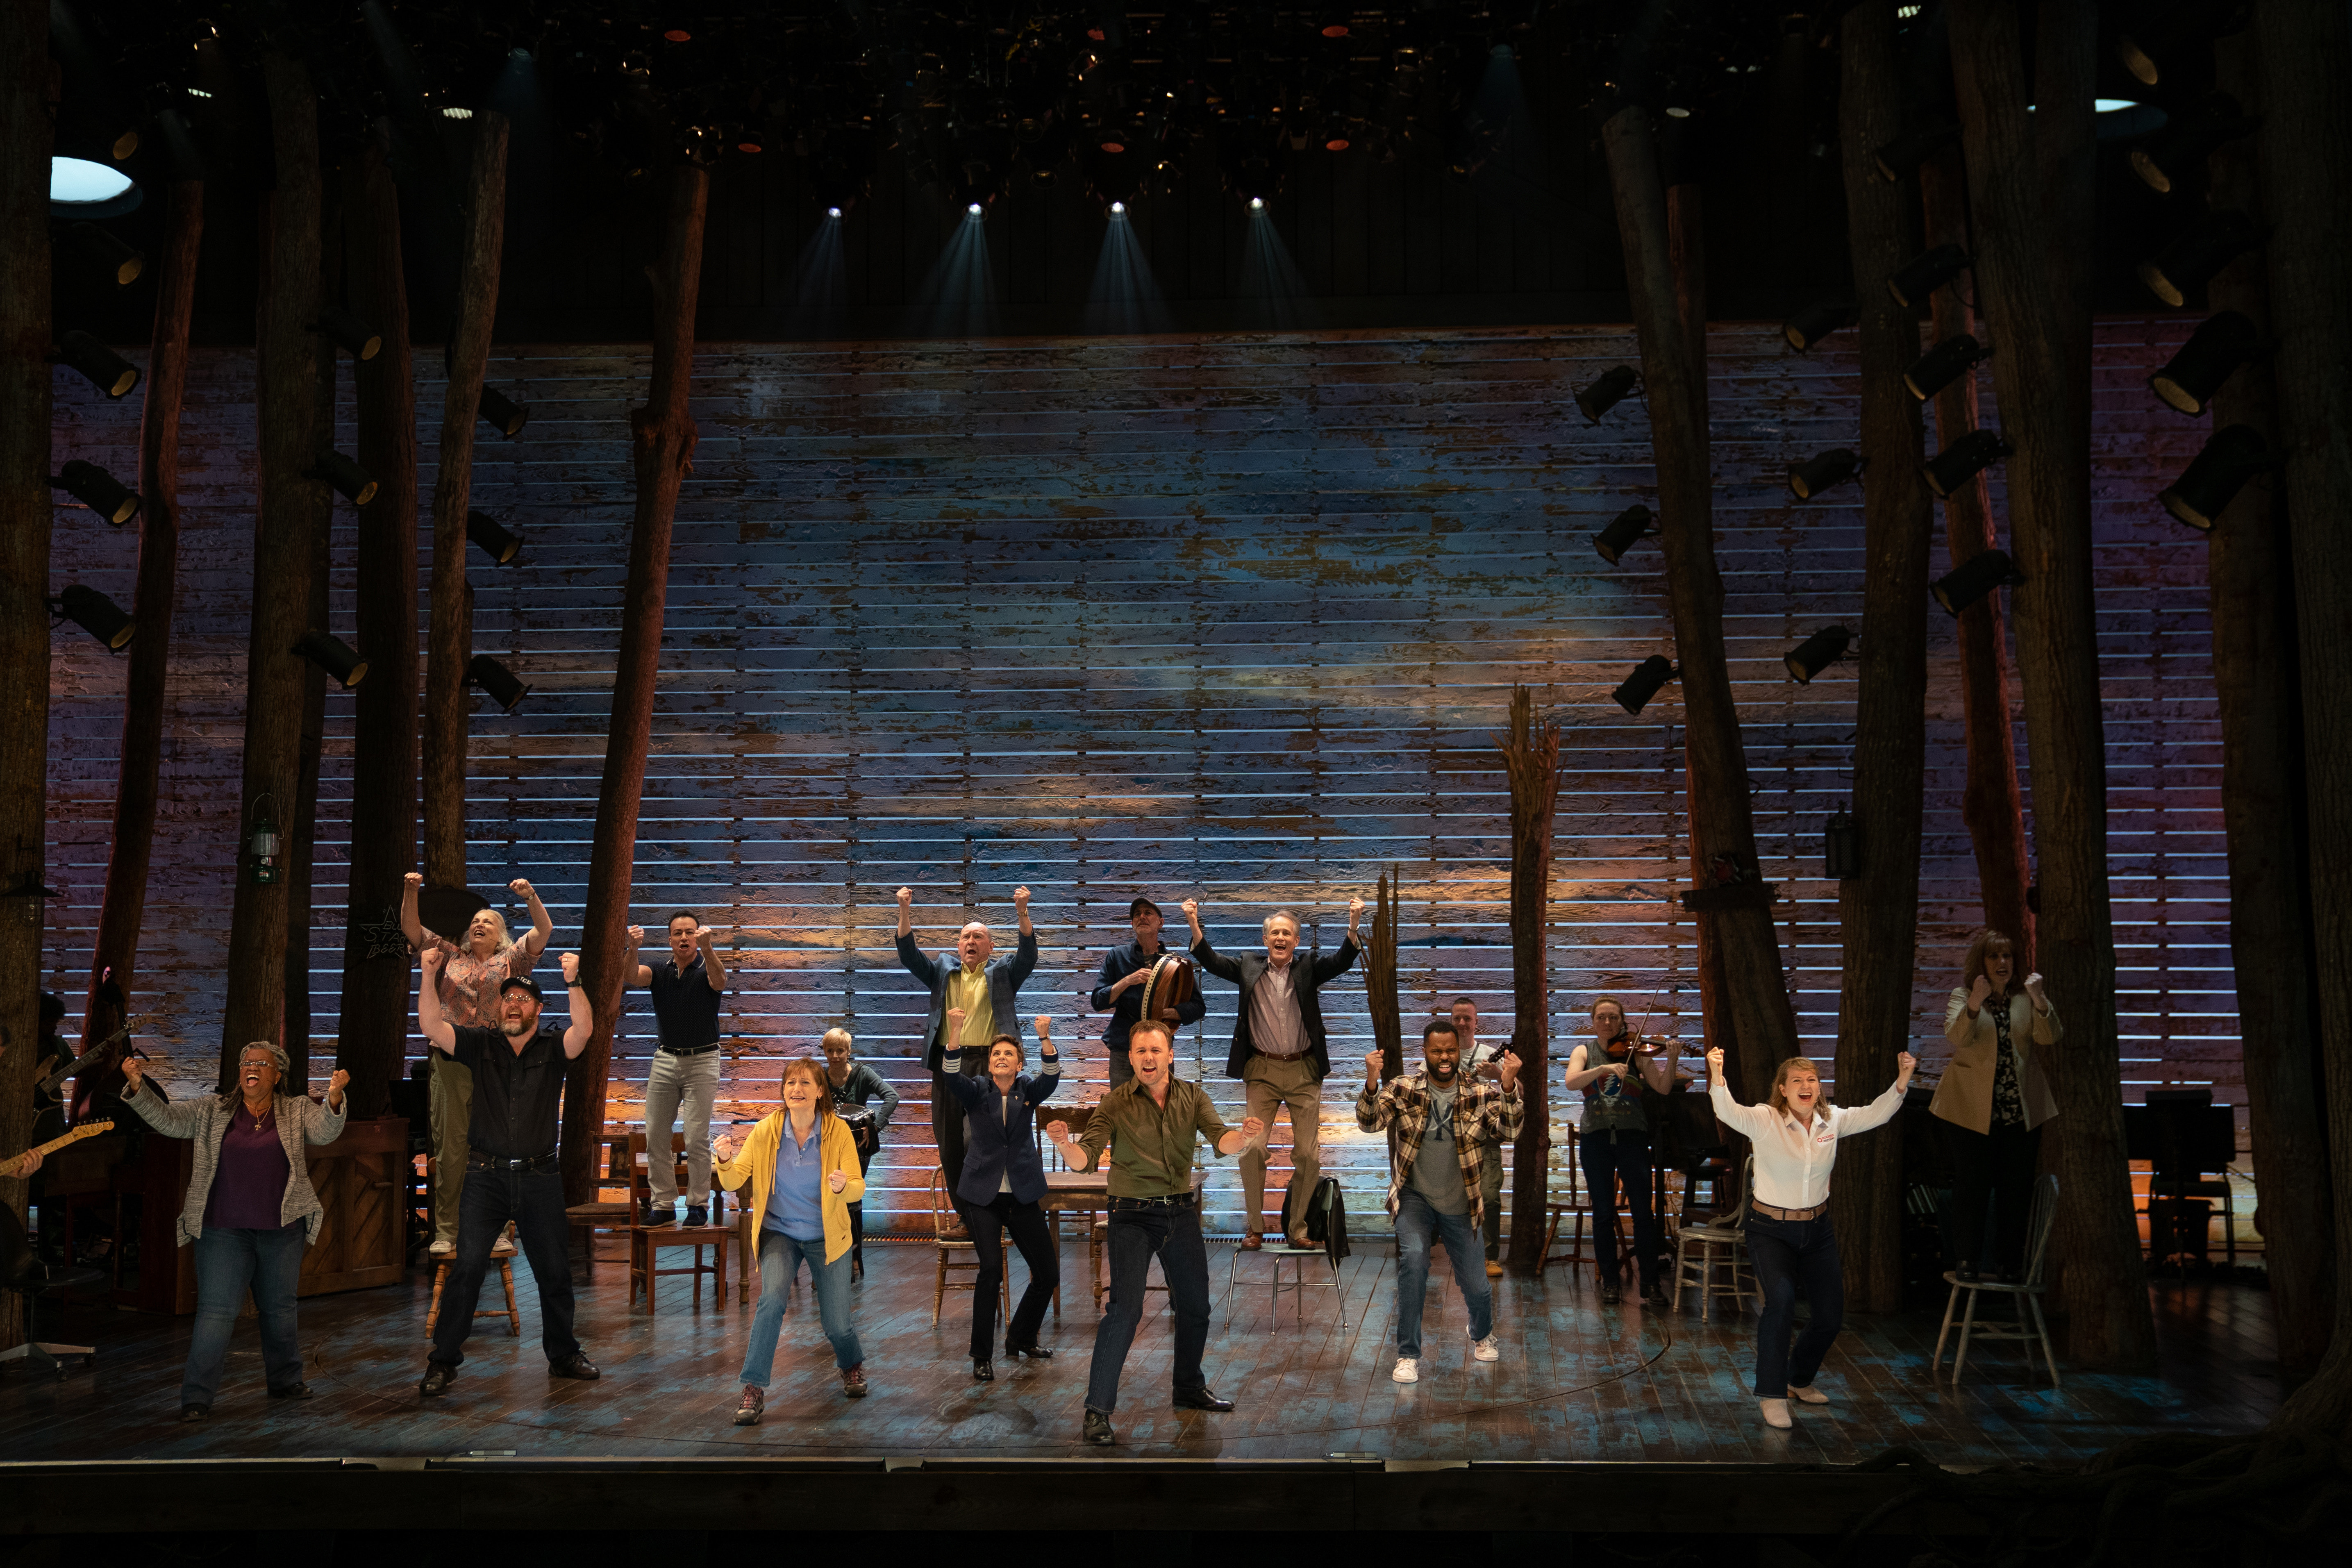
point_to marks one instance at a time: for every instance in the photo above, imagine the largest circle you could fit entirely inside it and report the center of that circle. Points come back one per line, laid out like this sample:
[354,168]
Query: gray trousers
[449,1100]
[676,1083]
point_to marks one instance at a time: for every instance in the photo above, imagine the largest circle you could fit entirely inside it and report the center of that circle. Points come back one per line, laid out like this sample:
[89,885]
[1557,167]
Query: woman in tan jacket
[1993,1100]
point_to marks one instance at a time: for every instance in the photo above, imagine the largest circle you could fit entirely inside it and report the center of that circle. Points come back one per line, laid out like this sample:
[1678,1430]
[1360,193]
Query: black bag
[1326,1215]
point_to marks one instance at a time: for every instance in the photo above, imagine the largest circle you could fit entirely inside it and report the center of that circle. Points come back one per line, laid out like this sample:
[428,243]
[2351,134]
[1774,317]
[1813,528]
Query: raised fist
[906,897]
[1978,992]
[134,1073]
[1020,897]
[2033,988]
[724,1145]
[836,1180]
[955,1017]
[335,1085]
[1715,1060]
[702,935]
[1354,907]
[1191,908]
[415,878]
[570,969]
[1904,1062]
[1506,1069]
[1045,1025]
[1059,1132]
[519,887]
[1372,1066]
[432,958]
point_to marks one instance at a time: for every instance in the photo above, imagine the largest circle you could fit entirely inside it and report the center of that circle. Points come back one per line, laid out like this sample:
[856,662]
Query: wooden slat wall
[1228,615]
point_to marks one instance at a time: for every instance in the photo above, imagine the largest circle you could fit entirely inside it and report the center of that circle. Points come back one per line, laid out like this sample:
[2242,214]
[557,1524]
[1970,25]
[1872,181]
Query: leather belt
[493,1162]
[689,1050]
[1178,1201]
[1768,1212]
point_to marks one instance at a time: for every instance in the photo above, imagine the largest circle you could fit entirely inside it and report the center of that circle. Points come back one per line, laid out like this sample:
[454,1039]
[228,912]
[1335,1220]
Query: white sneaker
[1487,1348]
[442,1249]
[1408,1370]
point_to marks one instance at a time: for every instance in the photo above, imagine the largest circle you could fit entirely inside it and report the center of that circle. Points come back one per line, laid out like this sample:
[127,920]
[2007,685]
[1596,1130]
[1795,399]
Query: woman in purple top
[250,1210]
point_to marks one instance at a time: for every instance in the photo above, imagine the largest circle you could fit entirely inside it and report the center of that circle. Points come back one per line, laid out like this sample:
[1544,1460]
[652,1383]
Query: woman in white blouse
[1795,1136]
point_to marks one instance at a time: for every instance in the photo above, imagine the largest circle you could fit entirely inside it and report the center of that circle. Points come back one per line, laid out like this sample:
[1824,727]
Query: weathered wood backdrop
[1229,616]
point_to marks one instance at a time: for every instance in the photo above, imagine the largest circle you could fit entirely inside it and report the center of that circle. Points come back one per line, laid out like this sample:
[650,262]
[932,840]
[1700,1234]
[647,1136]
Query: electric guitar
[86,1130]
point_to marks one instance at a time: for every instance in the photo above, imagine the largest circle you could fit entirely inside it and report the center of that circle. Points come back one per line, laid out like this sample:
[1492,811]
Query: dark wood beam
[1531,763]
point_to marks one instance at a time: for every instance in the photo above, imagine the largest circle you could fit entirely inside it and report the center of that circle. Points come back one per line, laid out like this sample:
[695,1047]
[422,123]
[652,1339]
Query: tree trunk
[26,88]
[1878,910]
[1531,760]
[450,636]
[2043,375]
[302,829]
[663,437]
[285,414]
[2306,151]
[1380,979]
[373,1036]
[114,959]
[1990,802]
[1721,822]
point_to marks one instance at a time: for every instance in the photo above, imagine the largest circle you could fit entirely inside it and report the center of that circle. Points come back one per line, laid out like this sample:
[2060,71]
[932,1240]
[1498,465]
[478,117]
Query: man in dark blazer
[1279,1049]
[970,980]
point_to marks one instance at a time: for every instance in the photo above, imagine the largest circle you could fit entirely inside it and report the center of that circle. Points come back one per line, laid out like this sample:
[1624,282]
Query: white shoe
[1808,1394]
[1487,1348]
[442,1249]
[1408,1370]
[1776,1412]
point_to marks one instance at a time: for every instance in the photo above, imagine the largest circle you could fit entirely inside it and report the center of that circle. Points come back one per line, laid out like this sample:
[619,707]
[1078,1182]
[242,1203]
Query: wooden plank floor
[1577,1381]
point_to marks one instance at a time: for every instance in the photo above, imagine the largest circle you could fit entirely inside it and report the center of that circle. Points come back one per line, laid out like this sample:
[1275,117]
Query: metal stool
[1279,1252]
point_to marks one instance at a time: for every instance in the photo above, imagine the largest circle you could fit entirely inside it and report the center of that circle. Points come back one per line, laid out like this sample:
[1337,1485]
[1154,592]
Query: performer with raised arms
[683,1074]
[985,991]
[1003,1180]
[1131,970]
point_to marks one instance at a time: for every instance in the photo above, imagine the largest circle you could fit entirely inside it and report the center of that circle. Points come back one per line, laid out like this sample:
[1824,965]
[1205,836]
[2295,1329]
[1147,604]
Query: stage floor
[1577,1382]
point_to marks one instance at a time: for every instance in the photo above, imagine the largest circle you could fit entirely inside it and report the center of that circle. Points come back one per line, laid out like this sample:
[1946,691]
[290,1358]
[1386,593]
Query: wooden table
[1088,1193]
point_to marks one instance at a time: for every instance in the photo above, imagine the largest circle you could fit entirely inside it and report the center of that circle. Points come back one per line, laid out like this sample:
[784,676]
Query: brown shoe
[748,1413]
[1252,1241]
[853,1382]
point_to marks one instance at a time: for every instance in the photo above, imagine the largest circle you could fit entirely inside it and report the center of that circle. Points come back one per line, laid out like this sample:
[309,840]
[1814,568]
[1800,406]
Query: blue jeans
[1414,1222]
[1608,1158]
[534,1201]
[1790,1255]
[780,1264]
[1135,1234]
[228,1263]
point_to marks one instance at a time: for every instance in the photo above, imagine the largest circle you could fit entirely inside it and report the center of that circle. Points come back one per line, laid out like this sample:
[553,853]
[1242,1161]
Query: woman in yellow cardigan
[1992,1101]
[802,1163]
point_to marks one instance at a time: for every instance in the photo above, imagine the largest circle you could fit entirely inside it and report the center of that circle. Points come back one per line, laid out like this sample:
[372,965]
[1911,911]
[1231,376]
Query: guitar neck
[86,1130]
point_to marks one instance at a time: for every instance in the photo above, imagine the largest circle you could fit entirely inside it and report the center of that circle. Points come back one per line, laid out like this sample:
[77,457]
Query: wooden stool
[502,1252]
[646,1243]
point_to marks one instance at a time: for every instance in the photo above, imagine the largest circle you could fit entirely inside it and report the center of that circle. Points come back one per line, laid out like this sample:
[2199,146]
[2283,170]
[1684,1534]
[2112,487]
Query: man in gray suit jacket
[985,992]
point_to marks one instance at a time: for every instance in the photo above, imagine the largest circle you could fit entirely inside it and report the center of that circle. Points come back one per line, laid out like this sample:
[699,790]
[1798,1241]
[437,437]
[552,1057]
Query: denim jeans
[534,1201]
[1034,1237]
[1415,1221]
[1606,1164]
[1135,1235]
[229,1262]
[1792,1255]
[780,1263]
[674,1083]
[1490,1190]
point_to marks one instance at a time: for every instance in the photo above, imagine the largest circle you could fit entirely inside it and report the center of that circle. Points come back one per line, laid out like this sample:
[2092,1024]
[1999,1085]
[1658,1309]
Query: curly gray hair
[278,1056]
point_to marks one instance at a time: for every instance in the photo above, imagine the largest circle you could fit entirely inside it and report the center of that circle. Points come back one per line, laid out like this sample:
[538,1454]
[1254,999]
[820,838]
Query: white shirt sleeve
[1752,1119]
[1850,1120]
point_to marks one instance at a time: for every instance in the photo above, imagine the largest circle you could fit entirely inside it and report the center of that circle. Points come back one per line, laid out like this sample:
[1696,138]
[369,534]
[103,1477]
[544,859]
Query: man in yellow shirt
[969,981]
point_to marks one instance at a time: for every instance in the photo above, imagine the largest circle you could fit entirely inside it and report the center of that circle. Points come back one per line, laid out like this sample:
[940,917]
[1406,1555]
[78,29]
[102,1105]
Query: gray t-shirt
[1437,1169]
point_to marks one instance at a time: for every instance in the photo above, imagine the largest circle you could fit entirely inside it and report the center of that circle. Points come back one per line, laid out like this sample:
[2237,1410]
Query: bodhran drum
[859,1119]
[1170,986]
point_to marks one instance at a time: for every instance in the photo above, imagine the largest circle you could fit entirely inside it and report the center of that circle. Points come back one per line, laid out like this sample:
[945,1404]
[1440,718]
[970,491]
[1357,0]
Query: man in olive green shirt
[1148,1124]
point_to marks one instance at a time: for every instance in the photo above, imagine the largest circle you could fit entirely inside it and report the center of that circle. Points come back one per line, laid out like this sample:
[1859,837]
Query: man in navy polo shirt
[686,992]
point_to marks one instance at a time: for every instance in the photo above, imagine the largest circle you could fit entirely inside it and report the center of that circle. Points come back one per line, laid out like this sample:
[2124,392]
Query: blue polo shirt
[796,1203]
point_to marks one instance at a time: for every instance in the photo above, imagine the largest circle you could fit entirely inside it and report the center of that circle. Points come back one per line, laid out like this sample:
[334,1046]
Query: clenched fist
[570,969]
[636,936]
[1715,1061]
[519,887]
[836,1181]
[1372,1066]
[906,897]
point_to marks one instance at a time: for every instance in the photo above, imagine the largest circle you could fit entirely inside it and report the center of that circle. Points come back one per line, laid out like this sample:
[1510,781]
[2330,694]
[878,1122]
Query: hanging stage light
[1963,461]
[2166,157]
[1927,272]
[1623,530]
[99,366]
[350,481]
[1821,471]
[98,490]
[503,687]
[2211,356]
[2189,262]
[1901,158]
[96,614]
[1840,847]
[1606,393]
[2231,456]
[1943,364]
[497,544]
[1648,676]
[106,252]
[334,656]
[1817,653]
[350,334]
[1814,323]
[1972,579]
[2163,37]
[507,416]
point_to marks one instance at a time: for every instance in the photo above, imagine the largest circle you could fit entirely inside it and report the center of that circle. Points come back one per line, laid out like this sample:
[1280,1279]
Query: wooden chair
[616,1215]
[1701,1250]
[502,1253]
[958,1253]
[1577,1212]
[646,1243]
[2028,1295]
[1077,1116]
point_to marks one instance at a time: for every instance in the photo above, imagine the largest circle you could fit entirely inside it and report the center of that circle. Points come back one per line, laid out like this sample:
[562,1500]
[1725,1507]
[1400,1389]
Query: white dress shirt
[1793,1162]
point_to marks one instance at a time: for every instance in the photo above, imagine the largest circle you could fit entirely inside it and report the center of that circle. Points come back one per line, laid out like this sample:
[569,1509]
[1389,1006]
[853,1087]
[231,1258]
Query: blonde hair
[1987,942]
[1778,1100]
[498,919]
[833,1034]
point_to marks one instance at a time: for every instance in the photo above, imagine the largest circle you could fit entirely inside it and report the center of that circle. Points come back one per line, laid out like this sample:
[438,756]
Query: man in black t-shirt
[510,1172]
[684,1076]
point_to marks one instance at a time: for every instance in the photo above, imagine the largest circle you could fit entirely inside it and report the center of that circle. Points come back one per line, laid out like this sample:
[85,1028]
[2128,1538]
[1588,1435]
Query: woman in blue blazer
[1003,1177]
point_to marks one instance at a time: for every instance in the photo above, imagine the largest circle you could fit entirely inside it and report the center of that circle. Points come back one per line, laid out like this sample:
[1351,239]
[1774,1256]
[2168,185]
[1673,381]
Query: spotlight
[2231,456]
[1902,157]
[106,252]
[99,366]
[96,614]
[503,686]
[1648,676]
[98,490]
[83,188]
[1814,323]
[1822,471]
[1118,209]
[1624,531]
[1257,203]
[1923,274]
[350,481]
[974,210]
[833,212]
[2166,157]
[505,416]
[1606,393]
[1817,653]
[1942,366]
[350,334]
[2166,35]
[334,656]
[1972,579]
[2212,353]
[1963,461]
[497,544]
[2217,240]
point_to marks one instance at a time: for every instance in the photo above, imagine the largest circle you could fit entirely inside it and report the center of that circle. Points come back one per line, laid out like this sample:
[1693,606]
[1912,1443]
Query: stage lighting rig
[1974,578]
[2211,356]
[334,656]
[96,614]
[1814,323]
[504,415]
[1817,653]
[98,364]
[350,334]
[1634,692]
[2166,158]
[2190,261]
[1927,272]
[105,252]
[1944,364]
[350,480]
[98,490]
[501,685]
[1901,158]
[1605,394]
[498,544]
[1963,461]
[2231,456]
[1823,470]
[1624,531]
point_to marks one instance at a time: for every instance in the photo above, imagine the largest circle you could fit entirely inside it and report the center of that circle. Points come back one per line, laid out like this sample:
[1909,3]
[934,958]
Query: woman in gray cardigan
[250,1210]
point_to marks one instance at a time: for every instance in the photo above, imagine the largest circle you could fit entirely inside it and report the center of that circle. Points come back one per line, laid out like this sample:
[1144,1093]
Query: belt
[492,1162]
[1179,1201]
[1768,1212]
[689,1050]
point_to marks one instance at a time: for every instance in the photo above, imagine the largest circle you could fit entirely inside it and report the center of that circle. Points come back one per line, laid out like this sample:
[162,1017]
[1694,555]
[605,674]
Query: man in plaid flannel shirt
[1442,1127]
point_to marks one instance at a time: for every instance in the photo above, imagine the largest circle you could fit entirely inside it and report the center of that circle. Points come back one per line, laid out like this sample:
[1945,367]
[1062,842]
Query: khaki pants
[1267,1082]
[450,1096]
